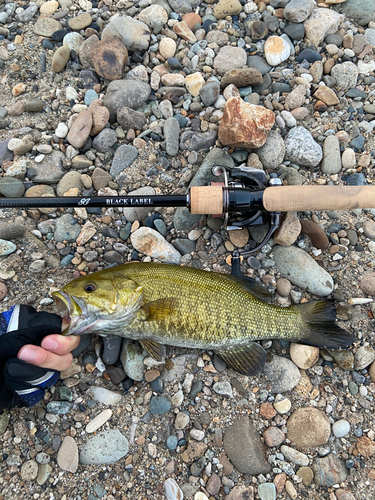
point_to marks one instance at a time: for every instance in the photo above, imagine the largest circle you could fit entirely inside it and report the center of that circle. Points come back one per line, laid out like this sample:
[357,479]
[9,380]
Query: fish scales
[160,305]
[209,310]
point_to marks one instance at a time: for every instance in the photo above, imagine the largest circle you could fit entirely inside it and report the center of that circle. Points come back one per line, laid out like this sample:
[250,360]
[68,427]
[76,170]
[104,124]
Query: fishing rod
[245,194]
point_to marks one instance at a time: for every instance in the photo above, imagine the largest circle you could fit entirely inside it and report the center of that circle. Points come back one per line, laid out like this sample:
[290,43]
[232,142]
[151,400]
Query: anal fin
[155,350]
[248,359]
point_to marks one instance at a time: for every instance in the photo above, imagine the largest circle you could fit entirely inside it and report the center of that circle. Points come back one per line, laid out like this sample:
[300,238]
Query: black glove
[21,383]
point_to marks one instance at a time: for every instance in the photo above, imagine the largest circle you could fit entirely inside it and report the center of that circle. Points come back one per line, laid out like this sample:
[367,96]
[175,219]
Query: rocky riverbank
[135,97]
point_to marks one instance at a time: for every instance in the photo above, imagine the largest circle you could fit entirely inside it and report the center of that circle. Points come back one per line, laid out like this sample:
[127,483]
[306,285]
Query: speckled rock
[152,243]
[282,374]
[107,447]
[244,448]
[302,270]
[308,428]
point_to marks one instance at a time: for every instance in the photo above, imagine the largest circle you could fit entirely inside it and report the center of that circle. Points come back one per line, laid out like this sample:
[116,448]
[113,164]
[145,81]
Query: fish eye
[89,287]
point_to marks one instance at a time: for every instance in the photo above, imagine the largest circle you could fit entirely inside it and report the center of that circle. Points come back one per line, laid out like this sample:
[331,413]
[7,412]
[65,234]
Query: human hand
[23,330]
[54,352]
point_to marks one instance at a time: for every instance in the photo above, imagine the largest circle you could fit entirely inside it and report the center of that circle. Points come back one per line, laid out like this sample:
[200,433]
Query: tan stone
[109,57]
[183,31]
[306,474]
[242,77]
[304,356]
[227,8]
[173,80]
[191,19]
[239,237]
[308,428]
[100,117]
[60,58]
[289,230]
[80,129]
[326,95]
[194,83]
[80,22]
[49,8]
[167,47]
[18,89]
[245,125]
[365,446]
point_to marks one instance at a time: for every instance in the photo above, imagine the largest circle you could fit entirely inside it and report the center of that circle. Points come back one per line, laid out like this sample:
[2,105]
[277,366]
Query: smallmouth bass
[160,304]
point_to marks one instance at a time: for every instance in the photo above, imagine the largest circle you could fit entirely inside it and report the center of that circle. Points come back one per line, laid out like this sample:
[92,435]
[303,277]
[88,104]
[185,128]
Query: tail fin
[320,329]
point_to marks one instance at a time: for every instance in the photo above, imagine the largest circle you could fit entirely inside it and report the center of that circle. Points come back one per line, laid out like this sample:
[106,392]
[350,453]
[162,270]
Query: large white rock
[152,243]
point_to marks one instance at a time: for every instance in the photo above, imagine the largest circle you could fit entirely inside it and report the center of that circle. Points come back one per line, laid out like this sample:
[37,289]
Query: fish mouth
[76,319]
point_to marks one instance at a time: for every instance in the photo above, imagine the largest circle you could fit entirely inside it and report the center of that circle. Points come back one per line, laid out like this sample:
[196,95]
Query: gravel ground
[190,427]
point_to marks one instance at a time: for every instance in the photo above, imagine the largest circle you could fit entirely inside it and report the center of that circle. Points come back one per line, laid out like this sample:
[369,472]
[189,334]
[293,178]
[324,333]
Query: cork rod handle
[206,200]
[302,198]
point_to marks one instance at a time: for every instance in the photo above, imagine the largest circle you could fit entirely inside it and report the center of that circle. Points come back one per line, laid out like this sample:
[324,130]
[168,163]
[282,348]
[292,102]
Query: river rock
[363,357]
[172,490]
[85,51]
[294,456]
[321,23]
[227,8]
[80,129]
[107,447]
[297,11]
[245,125]
[132,360]
[100,117]
[367,283]
[304,356]
[104,141]
[271,154]
[171,133]
[282,374]
[60,58]
[308,428]
[331,163]
[67,456]
[50,170]
[65,230]
[109,57]
[129,93]
[105,396]
[80,22]
[329,470]
[135,35]
[362,11]
[151,243]
[129,118]
[153,16]
[316,234]
[346,74]
[276,50]
[301,148]
[229,58]
[302,270]
[210,92]
[242,77]
[183,31]
[289,230]
[244,448]
[45,26]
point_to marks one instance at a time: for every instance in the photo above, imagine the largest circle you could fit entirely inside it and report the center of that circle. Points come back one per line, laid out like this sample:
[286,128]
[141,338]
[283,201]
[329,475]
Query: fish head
[98,304]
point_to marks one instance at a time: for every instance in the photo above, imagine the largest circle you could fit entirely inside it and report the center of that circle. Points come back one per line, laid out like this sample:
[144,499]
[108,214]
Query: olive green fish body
[205,310]
[160,305]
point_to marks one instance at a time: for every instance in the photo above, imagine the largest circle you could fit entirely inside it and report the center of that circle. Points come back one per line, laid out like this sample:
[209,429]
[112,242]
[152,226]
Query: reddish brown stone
[273,436]
[151,375]
[279,482]
[191,19]
[109,57]
[344,495]
[316,234]
[320,106]
[267,410]
[326,95]
[245,125]
[365,446]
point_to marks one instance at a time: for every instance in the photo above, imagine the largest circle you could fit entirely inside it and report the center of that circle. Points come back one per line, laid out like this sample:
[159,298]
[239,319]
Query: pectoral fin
[159,309]
[157,351]
[246,359]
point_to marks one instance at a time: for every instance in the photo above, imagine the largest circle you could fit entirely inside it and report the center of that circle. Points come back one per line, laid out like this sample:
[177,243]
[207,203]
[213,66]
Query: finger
[45,359]
[59,344]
